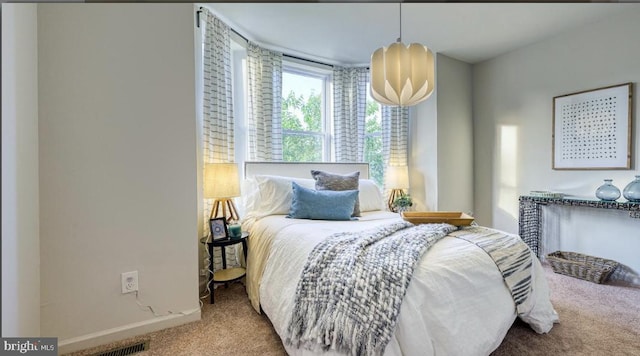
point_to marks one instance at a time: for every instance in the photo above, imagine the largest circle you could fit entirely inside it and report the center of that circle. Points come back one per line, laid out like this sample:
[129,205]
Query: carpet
[595,319]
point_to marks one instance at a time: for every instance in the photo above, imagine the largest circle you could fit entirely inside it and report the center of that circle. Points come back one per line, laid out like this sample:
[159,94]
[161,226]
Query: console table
[530,221]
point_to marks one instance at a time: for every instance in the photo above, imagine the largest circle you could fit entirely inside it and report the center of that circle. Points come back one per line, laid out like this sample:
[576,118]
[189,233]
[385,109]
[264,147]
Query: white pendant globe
[402,75]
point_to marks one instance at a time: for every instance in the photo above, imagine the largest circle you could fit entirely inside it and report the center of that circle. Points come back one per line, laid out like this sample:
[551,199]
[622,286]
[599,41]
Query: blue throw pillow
[322,204]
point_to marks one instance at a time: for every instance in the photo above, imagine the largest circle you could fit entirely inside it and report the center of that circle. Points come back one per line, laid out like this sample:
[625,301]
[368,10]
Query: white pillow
[250,196]
[271,195]
[370,196]
[264,195]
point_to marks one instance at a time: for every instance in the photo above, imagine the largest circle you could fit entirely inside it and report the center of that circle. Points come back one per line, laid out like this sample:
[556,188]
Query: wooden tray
[430,217]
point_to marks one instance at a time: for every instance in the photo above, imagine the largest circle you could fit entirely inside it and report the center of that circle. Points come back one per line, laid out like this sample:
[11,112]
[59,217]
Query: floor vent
[126,350]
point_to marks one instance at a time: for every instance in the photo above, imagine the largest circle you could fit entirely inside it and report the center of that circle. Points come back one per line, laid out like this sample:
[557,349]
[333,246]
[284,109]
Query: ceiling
[347,33]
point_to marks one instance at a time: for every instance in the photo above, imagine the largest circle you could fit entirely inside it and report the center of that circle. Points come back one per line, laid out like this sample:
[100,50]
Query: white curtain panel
[217,132]
[217,100]
[395,133]
[349,112]
[264,118]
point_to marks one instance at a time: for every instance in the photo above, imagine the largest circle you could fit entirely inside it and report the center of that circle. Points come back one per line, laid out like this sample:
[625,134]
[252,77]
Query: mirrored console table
[530,220]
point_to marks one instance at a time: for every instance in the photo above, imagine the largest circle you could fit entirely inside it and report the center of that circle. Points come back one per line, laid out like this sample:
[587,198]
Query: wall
[455,136]
[423,155]
[20,236]
[117,168]
[441,142]
[512,130]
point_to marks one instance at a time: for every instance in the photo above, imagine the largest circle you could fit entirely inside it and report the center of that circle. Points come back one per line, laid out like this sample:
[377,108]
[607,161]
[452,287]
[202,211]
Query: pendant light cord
[400,38]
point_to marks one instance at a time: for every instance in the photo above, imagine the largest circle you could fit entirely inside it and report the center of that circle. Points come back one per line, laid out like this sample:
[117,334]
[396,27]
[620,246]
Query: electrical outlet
[129,282]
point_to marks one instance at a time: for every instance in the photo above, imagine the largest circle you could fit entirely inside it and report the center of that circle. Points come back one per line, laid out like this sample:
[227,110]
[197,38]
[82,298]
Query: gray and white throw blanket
[353,284]
[512,257]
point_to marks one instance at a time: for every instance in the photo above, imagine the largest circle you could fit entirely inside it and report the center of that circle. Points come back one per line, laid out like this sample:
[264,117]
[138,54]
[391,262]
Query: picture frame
[218,229]
[592,129]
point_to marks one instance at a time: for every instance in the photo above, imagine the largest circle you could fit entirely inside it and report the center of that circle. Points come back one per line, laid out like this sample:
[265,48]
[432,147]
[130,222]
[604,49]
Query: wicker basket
[590,268]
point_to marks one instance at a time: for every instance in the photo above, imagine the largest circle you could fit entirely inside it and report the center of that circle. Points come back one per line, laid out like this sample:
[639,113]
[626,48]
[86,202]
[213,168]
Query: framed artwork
[592,129]
[218,228]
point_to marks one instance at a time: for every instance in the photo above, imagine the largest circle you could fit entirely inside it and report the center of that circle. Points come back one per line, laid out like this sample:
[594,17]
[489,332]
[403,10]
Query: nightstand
[225,275]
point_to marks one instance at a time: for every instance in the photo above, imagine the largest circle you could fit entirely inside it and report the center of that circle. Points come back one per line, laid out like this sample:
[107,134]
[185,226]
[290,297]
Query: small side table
[225,275]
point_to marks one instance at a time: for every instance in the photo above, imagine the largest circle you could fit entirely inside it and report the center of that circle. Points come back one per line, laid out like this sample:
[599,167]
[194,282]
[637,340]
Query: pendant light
[402,75]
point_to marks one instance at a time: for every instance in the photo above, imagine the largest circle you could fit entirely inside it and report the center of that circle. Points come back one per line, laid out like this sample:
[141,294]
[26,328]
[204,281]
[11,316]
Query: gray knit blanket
[349,295]
[512,257]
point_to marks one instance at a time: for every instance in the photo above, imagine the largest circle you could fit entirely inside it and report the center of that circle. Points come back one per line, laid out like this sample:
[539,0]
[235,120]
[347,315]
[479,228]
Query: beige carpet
[594,320]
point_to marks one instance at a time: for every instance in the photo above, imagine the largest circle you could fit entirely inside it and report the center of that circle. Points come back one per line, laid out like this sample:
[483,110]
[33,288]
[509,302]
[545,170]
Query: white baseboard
[126,331]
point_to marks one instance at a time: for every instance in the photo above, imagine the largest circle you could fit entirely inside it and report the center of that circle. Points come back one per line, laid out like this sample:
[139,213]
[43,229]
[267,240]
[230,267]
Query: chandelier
[402,75]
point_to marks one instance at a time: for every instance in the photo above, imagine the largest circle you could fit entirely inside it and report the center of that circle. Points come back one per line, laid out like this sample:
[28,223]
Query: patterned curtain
[218,122]
[217,99]
[264,117]
[349,112]
[395,133]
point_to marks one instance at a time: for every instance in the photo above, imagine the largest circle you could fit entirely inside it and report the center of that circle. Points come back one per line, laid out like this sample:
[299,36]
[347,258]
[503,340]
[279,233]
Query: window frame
[294,67]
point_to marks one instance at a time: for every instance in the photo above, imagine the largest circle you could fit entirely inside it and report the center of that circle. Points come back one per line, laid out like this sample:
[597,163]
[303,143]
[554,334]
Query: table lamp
[221,183]
[397,179]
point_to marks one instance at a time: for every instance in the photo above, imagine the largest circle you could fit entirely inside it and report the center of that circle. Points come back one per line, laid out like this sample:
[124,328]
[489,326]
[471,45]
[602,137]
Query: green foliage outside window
[373,142]
[303,135]
[302,118]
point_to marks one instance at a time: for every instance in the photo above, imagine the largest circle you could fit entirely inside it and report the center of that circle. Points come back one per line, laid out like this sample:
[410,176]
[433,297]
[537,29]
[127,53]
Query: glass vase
[608,191]
[632,191]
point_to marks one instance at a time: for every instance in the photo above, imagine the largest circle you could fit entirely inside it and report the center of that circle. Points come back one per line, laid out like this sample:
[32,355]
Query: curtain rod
[284,54]
[239,35]
[247,40]
[307,60]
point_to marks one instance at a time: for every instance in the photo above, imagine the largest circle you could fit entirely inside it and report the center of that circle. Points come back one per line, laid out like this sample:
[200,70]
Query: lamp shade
[402,75]
[397,177]
[221,180]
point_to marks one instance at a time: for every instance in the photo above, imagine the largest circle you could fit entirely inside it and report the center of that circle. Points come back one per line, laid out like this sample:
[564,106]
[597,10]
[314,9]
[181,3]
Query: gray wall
[423,153]
[117,168]
[512,108]
[20,226]
[455,136]
[441,142]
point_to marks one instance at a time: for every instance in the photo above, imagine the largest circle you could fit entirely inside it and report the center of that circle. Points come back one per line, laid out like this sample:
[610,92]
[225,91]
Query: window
[373,140]
[305,127]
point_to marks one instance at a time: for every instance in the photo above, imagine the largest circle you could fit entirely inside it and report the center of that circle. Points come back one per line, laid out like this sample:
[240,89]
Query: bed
[457,302]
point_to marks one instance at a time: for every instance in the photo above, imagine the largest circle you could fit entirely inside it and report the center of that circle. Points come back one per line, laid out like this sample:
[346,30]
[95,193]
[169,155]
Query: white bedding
[456,304]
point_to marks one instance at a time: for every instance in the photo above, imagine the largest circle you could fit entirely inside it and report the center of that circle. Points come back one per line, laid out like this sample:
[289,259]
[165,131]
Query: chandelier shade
[402,75]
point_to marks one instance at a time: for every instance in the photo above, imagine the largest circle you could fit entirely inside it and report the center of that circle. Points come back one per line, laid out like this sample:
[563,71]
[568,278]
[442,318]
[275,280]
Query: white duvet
[457,302]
